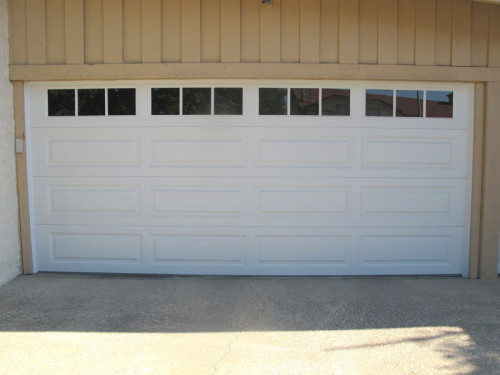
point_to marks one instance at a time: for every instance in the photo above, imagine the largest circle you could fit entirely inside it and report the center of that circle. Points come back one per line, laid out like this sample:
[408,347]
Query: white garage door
[258,178]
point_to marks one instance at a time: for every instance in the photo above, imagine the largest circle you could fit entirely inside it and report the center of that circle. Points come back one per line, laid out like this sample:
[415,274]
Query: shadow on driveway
[445,325]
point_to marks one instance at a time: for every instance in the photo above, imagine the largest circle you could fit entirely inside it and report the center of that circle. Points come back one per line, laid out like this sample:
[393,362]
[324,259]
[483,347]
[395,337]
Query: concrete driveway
[81,324]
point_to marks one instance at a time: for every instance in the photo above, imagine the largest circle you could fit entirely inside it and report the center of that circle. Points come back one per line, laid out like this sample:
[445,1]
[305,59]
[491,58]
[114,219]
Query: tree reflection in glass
[121,102]
[196,101]
[61,102]
[228,101]
[91,102]
[273,101]
[165,101]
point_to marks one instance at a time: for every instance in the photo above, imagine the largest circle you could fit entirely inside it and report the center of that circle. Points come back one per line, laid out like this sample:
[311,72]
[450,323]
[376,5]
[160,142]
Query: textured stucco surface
[9,231]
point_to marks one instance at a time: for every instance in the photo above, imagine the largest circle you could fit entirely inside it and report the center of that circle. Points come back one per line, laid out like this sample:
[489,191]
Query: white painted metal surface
[284,195]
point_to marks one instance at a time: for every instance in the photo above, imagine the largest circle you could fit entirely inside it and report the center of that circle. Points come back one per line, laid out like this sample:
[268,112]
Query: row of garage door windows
[229,101]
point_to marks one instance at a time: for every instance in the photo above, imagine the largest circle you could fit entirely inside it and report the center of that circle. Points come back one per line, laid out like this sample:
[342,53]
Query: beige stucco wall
[9,231]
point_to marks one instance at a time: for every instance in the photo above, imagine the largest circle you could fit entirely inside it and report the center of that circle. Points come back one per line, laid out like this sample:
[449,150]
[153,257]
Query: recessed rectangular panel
[88,247]
[198,152]
[198,201]
[93,152]
[407,200]
[303,249]
[198,248]
[93,200]
[404,249]
[306,152]
[303,201]
[407,153]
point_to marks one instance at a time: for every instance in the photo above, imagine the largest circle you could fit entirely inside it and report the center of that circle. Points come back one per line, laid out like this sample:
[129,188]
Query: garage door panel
[303,249]
[198,200]
[274,202]
[305,153]
[198,249]
[248,152]
[251,194]
[257,250]
[198,152]
[94,247]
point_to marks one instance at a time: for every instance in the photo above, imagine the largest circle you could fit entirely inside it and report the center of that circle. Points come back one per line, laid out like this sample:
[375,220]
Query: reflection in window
[273,101]
[228,101]
[336,102]
[409,103]
[304,101]
[439,104]
[196,101]
[91,102]
[61,102]
[165,101]
[379,102]
[121,102]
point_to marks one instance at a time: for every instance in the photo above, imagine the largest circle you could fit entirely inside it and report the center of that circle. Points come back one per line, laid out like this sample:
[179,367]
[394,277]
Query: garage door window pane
[409,103]
[196,101]
[273,101]
[228,101]
[165,101]
[439,104]
[379,102]
[91,102]
[121,102]
[61,102]
[336,102]
[304,102]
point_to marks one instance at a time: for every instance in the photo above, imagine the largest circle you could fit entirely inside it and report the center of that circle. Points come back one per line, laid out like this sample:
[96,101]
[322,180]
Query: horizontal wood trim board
[31,73]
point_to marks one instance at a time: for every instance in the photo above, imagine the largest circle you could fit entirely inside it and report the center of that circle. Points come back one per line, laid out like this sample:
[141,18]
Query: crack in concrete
[228,350]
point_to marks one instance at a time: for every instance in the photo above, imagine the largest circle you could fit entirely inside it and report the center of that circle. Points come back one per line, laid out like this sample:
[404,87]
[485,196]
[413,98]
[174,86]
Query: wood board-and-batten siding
[405,32]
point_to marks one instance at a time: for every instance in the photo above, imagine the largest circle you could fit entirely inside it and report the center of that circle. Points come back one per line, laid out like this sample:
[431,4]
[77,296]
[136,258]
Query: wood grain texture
[309,30]
[490,222]
[151,31]
[254,71]
[477,176]
[461,33]
[113,37]
[387,31]
[22,180]
[494,40]
[425,32]
[329,32]
[210,24]
[270,32]
[348,31]
[74,31]
[480,34]
[94,48]
[36,32]
[406,32]
[132,31]
[250,31]
[290,30]
[171,31]
[443,32]
[18,28]
[190,26]
[368,29]
[56,41]
[230,31]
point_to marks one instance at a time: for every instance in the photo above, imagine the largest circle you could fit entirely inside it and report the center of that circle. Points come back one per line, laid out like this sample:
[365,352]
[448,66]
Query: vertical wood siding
[410,32]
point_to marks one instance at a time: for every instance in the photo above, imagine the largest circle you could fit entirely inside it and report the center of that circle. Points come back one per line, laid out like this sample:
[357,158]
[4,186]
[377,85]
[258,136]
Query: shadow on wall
[458,318]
